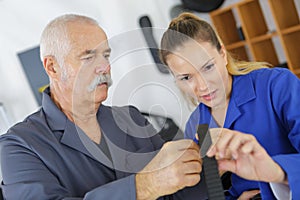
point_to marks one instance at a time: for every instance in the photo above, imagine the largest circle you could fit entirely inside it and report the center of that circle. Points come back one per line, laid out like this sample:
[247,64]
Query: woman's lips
[210,96]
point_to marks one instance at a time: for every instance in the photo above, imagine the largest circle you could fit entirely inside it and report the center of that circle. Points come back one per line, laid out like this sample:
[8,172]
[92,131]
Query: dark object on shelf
[146,26]
[282,65]
[202,5]
[241,33]
[167,128]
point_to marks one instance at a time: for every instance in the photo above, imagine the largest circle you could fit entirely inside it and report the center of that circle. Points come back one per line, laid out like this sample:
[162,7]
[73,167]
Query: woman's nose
[201,83]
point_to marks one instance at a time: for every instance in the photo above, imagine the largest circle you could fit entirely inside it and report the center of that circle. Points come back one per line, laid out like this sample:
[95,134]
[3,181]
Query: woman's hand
[241,154]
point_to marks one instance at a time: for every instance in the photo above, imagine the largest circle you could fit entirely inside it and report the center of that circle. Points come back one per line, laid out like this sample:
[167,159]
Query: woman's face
[200,72]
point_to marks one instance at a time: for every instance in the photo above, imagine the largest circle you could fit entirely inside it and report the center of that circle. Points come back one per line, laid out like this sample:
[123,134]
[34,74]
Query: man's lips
[102,84]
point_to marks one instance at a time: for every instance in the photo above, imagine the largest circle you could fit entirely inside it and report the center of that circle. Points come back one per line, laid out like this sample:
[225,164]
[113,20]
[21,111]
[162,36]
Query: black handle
[210,166]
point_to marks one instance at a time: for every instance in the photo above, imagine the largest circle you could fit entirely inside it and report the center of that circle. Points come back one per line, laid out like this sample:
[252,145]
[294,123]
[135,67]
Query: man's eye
[87,58]
[107,56]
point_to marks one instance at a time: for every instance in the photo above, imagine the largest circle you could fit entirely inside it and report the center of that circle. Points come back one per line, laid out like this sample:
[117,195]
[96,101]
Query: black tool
[210,166]
[147,30]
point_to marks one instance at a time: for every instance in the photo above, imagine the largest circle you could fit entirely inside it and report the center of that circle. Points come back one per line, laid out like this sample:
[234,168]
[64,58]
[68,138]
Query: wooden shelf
[252,18]
[236,45]
[284,13]
[263,37]
[292,49]
[225,22]
[291,29]
[264,50]
[220,11]
[239,53]
[297,71]
[253,39]
[288,26]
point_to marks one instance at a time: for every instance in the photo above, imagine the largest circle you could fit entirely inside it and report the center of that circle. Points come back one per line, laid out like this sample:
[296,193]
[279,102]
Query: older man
[75,147]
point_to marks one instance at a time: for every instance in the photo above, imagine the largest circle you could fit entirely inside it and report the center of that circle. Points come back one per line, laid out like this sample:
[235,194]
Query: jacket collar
[56,119]
[75,138]
[242,92]
[242,89]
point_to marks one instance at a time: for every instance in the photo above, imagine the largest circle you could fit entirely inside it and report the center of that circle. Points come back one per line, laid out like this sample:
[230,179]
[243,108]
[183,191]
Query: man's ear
[51,67]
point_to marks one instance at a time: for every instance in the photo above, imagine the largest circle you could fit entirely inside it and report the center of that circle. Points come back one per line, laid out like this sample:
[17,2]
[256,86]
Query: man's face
[87,60]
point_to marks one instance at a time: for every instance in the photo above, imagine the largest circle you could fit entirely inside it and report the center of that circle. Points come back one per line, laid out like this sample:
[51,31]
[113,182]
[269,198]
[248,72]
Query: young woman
[239,96]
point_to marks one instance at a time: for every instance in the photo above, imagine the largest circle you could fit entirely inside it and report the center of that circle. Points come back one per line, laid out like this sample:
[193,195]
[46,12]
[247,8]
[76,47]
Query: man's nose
[103,68]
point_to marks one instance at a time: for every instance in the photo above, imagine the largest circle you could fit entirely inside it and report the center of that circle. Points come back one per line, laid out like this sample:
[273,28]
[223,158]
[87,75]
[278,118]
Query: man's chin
[101,95]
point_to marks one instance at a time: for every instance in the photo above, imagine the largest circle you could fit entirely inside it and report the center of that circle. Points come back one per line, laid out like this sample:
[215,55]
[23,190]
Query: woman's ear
[51,67]
[223,53]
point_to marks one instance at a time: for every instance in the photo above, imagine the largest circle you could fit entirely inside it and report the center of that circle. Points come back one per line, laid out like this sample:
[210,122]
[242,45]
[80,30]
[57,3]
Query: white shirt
[281,191]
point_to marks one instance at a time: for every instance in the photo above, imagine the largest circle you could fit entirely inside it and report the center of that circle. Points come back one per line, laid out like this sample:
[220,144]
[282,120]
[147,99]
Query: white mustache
[102,78]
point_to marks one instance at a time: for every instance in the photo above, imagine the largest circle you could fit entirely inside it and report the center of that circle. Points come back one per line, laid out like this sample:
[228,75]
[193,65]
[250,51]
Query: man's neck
[85,117]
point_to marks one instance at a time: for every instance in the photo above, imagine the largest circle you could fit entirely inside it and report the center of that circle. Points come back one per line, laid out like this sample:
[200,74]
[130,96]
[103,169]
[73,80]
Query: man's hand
[177,165]
[248,158]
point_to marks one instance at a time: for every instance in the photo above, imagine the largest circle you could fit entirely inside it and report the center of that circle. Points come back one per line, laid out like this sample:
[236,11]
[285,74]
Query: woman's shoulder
[270,73]
[266,76]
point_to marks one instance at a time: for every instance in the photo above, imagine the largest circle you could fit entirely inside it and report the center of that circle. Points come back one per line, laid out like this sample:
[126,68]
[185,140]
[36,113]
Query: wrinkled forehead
[87,36]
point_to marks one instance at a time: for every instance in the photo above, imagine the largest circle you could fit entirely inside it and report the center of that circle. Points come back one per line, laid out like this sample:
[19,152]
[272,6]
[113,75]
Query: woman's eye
[208,67]
[185,78]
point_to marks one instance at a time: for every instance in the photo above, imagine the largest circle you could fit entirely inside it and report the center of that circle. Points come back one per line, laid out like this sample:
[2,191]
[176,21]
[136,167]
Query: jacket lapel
[75,138]
[242,93]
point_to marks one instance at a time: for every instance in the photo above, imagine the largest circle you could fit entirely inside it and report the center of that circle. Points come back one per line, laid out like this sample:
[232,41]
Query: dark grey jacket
[47,157]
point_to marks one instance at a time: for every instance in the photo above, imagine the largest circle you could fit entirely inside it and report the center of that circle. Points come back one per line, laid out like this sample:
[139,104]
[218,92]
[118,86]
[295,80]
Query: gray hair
[55,39]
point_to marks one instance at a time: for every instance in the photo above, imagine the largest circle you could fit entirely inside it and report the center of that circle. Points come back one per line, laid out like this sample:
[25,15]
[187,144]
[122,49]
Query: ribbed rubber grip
[210,166]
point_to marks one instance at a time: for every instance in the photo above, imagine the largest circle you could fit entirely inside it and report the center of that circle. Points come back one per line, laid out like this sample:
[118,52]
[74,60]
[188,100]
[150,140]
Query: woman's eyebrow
[181,75]
[207,62]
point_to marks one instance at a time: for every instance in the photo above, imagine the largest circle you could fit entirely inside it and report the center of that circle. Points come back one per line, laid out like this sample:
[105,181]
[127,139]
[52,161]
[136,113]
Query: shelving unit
[253,40]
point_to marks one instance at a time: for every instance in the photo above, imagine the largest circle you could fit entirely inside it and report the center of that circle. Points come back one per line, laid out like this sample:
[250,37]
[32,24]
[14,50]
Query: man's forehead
[102,47]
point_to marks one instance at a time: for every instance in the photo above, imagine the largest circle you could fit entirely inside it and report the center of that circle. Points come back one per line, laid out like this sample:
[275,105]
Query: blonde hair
[188,26]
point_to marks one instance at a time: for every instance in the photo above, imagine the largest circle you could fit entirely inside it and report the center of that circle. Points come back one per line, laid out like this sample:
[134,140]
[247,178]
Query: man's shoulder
[120,108]
[26,129]
[122,111]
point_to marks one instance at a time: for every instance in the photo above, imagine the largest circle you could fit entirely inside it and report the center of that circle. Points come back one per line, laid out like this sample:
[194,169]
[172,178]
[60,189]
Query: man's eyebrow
[87,52]
[108,50]
[93,51]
